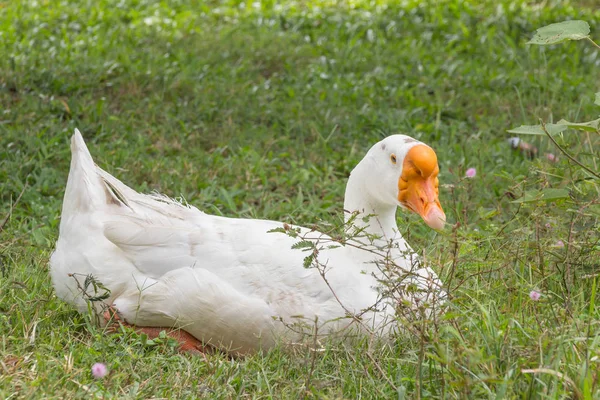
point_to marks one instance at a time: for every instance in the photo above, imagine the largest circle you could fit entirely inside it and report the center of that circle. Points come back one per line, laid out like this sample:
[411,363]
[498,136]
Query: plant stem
[594,43]
[570,157]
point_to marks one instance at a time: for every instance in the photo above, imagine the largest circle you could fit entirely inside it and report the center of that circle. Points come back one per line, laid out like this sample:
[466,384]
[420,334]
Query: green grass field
[261,110]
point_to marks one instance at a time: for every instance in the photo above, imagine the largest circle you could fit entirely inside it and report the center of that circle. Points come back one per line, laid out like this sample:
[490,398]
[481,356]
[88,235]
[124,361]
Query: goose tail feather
[85,189]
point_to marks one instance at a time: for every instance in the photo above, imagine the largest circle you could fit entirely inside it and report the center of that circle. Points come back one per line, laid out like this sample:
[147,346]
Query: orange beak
[418,185]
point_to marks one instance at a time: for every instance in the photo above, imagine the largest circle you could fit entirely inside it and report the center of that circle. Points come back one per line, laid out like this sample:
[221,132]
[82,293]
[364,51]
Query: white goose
[230,282]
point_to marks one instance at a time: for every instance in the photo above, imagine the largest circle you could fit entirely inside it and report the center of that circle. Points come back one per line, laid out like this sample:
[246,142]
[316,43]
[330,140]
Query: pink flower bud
[471,172]
[535,295]
[99,370]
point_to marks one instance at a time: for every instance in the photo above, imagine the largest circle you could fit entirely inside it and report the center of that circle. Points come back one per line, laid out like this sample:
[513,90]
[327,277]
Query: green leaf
[144,338]
[560,32]
[591,126]
[303,244]
[308,260]
[597,101]
[101,297]
[554,194]
[531,196]
[552,129]
[487,213]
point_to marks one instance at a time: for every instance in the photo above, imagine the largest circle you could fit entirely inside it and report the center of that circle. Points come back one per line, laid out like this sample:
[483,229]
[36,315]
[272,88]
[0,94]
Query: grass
[261,110]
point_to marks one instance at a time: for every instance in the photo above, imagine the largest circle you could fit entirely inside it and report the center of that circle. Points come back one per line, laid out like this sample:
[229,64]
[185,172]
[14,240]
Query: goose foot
[187,342]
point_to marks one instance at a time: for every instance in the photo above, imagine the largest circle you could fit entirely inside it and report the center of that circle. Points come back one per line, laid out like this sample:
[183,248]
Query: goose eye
[393,158]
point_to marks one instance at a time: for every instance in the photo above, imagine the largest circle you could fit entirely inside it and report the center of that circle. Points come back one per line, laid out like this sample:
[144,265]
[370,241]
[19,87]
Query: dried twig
[12,207]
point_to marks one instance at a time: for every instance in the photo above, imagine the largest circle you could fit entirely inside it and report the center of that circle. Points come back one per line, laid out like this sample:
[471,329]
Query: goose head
[400,171]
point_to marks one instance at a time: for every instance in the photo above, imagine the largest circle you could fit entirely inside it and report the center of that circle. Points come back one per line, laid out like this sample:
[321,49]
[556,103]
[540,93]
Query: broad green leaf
[552,129]
[531,196]
[591,126]
[597,101]
[560,32]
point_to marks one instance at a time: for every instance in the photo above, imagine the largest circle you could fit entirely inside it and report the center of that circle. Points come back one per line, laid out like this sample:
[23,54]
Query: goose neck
[375,217]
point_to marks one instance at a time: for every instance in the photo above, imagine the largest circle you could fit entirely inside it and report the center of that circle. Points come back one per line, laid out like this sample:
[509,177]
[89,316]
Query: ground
[260,110]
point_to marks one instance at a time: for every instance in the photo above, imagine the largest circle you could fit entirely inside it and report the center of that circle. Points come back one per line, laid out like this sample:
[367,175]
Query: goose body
[234,283]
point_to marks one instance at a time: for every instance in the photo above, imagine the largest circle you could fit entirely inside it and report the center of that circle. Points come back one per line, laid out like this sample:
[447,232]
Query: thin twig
[383,374]
[12,207]
[313,360]
[570,157]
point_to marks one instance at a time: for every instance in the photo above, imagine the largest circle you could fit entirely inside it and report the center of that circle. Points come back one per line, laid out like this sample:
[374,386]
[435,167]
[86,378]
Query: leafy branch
[562,150]
[554,34]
